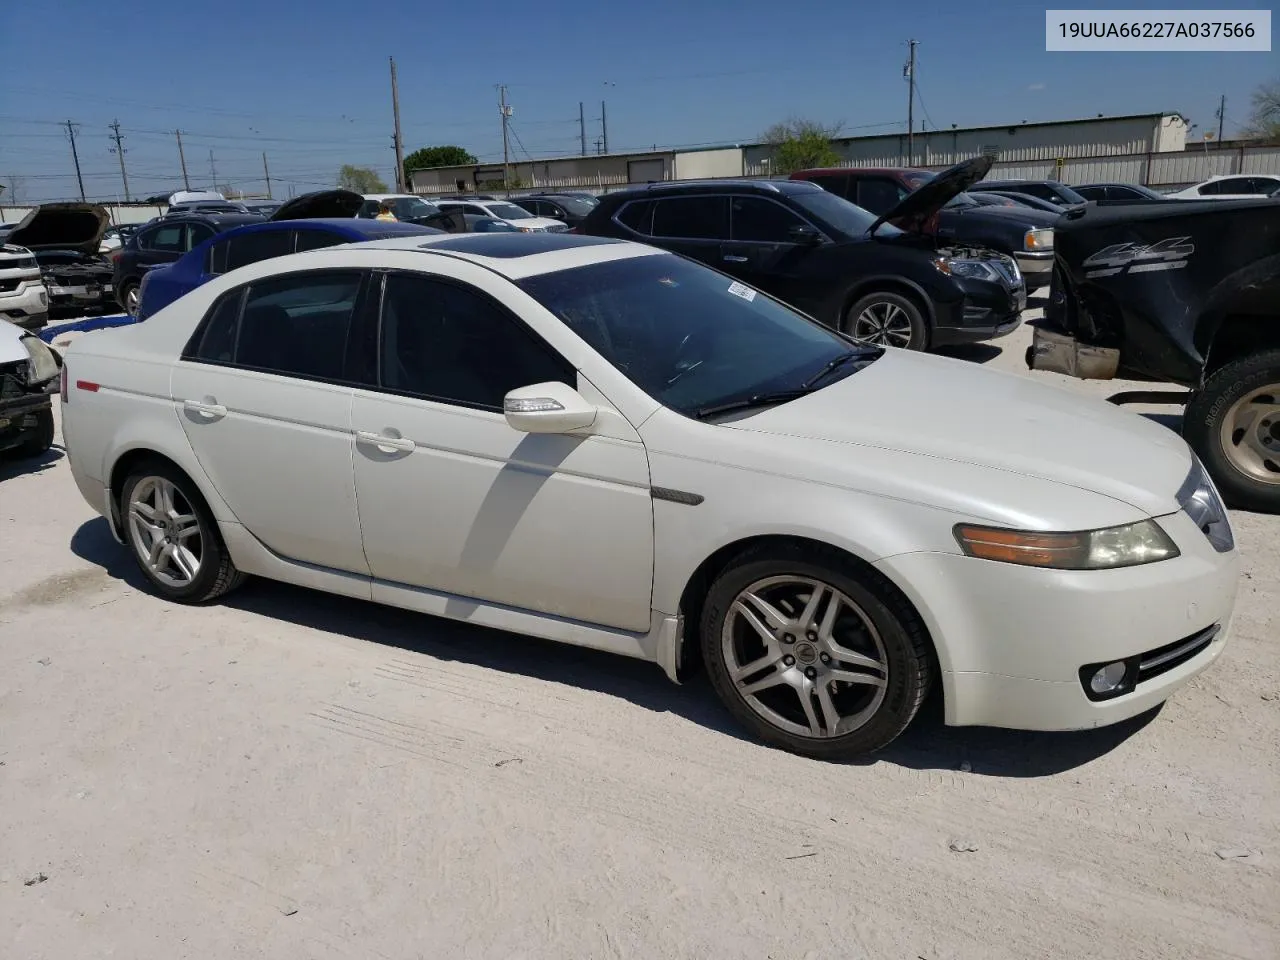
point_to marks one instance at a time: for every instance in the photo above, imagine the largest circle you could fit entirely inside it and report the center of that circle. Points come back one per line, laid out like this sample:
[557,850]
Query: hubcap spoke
[183,560]
[810,612]
[774,617]
[845,676]
[810,715]
[764,683]
[1250,434]
[830,715]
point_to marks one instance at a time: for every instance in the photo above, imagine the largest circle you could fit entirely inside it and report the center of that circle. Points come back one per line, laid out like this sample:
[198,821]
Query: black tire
[40,439]
[1206,416]
[216,574]
[889,302]
[128,288]
[905,643]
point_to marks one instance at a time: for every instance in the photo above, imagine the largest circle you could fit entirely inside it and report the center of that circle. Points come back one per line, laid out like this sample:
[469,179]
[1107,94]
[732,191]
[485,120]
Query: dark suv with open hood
[829,258]
[1023,233]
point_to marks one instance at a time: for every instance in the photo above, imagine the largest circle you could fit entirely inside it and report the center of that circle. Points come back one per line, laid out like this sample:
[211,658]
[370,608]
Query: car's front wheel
[174,537]
[1233,423]
[886,319]
[129,298]
[813,653]
[39,439]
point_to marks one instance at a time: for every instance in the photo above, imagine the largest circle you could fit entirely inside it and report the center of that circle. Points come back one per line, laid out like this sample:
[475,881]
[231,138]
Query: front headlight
[970,269]
[1126,546]
[1038,240]
[44,365]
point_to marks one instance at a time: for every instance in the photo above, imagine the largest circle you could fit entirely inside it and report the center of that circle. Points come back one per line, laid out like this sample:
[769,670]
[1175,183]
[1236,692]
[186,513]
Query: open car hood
[62,226]
[913,211]
[336,204]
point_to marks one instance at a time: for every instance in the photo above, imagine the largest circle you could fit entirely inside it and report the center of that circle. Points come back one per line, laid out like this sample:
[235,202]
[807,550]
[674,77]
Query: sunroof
[509,245]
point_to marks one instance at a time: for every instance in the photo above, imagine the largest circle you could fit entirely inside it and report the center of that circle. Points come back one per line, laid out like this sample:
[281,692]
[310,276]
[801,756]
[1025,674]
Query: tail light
[116,255]
[64,384]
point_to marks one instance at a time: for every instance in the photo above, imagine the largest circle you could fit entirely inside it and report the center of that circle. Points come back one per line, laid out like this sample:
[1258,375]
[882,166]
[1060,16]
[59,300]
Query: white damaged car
[28,375]
[601,443]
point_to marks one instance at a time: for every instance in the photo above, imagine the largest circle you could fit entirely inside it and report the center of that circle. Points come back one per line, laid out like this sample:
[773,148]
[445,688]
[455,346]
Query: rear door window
[250,248]
[692,218]
[166,238]
[197,233]
[879,194]
[637,216]
[837,183]
[299,324]
[317,239]
[756,219]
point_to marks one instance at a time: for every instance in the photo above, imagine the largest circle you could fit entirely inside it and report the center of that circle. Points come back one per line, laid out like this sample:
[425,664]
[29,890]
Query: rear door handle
[207,411]
[734,258]
[384,442]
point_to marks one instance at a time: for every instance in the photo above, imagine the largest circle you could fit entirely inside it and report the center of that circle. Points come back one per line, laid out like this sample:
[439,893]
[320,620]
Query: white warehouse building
[1124,146]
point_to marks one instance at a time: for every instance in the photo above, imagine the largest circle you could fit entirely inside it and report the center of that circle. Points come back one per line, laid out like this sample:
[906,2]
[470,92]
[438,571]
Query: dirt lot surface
[287,774]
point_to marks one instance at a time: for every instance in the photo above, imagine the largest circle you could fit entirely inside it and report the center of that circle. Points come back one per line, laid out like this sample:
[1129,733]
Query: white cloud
[1036,86]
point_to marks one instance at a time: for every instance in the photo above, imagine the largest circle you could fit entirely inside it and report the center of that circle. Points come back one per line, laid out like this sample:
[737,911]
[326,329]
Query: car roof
[1016,182]
[224,220]
[891,170]
[518,255]
[676,187]
[395,196]
[356,230]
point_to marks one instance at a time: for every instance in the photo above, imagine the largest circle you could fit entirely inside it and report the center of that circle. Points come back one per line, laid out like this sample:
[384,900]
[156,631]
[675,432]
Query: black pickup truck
[1183,293]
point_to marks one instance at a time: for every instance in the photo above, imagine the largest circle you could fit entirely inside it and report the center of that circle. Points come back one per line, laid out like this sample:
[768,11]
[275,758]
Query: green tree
[443,156]
[360,179]
[797,144]
[1264,117]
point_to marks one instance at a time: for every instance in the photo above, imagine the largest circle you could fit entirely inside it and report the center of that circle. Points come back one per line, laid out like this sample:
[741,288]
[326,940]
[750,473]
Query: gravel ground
[288,774]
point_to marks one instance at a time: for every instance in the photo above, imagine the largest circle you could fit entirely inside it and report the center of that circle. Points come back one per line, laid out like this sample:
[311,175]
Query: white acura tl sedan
[598,442]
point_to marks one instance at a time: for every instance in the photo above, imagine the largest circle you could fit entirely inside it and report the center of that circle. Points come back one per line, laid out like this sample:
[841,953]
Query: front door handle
[206,410]
[734,258]
[384,442]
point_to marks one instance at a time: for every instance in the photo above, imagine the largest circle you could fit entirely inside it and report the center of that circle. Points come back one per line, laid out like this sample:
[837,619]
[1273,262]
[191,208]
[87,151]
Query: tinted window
[217,341]
[1098,193]
[251,247]
[695,218]
[1236,185]
[1211,189]
[837,183]
[369,210]
[537,208]
[686,335]
[879,194]
[315,239]
[451,343]
[755,218]
[508,211]
[298,324]
[637,216]
[168,237]
[197,233]
[840,215]
[574,206]
[1041,190]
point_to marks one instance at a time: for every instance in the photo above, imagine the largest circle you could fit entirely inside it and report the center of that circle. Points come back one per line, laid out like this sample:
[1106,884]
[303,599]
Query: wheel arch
[902,286]
[134,456]
[694,594]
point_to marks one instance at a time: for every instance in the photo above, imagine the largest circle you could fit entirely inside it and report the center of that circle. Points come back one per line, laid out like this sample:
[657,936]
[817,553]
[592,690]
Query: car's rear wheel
[886,319]
[174,537]
[40,439]
[1233,423]
[813,653]
[129,298]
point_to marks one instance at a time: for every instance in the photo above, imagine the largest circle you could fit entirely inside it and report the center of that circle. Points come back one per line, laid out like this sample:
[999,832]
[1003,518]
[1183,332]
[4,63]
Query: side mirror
[805,234]
[550,407]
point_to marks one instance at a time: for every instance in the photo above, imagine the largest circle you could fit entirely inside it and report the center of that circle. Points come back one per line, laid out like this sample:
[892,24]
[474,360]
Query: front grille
[10,284]
[13,380]
[1163,659]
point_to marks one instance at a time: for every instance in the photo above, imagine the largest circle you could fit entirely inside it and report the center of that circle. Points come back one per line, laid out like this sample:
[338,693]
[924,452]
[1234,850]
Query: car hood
[951,410]
[1021,215]
[11,347]
[533,222]
[320,203]
[62,226]
[913,211]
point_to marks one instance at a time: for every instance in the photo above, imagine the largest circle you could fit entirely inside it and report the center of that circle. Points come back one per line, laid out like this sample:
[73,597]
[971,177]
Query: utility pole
[604,128]
[505,111]
[213,170]
[75,157]
[182,159]
[910,72]
[266,172]
[582,128]
[119,152]
[1222,113]
[401,186]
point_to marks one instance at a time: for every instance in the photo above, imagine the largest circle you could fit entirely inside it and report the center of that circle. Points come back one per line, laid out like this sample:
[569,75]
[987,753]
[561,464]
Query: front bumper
[986,311]
[18,417]
[1012,640]
[1036,267]
[72,296]
[26,307]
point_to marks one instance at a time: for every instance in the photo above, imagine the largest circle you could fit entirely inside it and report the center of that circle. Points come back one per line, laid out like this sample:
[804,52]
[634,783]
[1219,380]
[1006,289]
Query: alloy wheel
[131,301]
[883,324]
[1251,434]
[804,656]
[165,531]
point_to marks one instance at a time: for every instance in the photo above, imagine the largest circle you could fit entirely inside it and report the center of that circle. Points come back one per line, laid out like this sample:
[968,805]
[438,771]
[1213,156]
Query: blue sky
[307,81]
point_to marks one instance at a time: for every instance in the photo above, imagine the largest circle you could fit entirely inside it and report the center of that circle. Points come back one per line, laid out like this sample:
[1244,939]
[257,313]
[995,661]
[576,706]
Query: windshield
[839,214]
[408,208]
[508,211]
[1067,195]
[576,206]
[687,336]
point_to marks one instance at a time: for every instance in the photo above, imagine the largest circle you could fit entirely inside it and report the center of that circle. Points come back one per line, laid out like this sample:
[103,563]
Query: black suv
[829,258]
[162,241]
[1051,190]
[558,206]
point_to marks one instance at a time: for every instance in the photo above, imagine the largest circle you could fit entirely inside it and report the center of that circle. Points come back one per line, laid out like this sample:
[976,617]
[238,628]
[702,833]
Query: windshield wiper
[757,400]
[831,367]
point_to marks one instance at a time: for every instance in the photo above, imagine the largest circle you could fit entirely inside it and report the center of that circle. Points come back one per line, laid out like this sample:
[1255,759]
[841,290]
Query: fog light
[1107,679]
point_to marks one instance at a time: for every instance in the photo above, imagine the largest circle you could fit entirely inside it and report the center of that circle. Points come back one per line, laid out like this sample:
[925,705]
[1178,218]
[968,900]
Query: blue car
[253,242]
